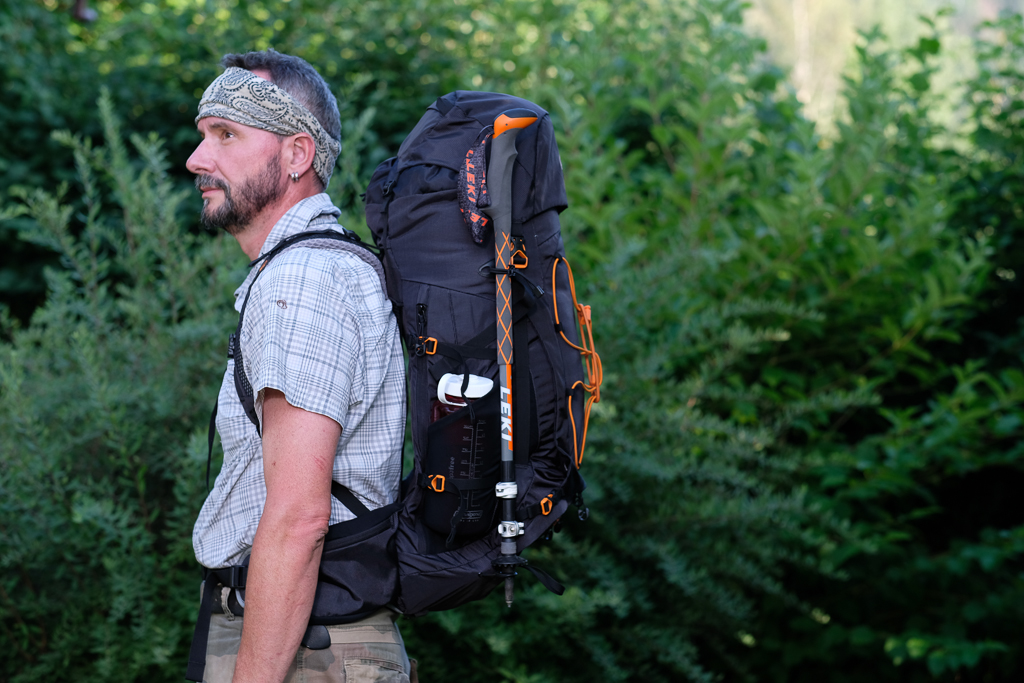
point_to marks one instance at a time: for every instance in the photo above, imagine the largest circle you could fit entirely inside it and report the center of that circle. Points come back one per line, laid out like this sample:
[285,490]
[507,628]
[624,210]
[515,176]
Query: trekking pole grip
[507,127]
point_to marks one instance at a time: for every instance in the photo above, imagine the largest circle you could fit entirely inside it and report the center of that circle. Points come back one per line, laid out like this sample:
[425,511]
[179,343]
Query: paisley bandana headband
[243,97]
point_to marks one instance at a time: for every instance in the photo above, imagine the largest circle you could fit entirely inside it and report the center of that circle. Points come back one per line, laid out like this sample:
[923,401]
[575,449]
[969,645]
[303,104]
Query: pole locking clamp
[506,489]
[511,529]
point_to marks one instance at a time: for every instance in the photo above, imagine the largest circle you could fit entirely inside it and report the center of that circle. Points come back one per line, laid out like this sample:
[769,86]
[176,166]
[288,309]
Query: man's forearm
[298,457]
[279,596]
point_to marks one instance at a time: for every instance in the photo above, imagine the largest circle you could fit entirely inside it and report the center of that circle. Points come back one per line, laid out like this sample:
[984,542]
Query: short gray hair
[296,77]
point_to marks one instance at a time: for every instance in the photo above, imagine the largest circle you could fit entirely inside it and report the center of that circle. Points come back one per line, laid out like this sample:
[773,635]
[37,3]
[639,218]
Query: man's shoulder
[318,260]
[318,273]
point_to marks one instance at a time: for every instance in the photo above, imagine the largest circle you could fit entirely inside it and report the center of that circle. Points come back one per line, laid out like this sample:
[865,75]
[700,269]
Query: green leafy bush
[926,480]
[101,401]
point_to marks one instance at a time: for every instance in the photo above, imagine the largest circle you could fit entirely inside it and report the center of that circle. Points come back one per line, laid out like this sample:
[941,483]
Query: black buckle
[582,511]
[516,274]
[237,576]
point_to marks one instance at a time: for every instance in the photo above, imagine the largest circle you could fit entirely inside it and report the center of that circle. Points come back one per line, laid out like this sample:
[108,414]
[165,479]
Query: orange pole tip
[505,122]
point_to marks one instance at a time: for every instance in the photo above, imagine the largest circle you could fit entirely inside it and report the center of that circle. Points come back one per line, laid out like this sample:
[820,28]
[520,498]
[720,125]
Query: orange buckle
[434,478]
[519,258]
[546,505]
[429,345]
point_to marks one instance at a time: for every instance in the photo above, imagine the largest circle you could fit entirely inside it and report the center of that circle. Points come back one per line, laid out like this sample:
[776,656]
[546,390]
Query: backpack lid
[452,125]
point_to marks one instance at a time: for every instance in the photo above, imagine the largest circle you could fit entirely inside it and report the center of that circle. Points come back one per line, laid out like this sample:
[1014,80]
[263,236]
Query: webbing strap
[531,511]
[459,352]
[460,488]
[545,579]
[481,347]
[197,653]
[343,238]
[348,499]
[458,485]
[477,347]
[232,577]
[209,437]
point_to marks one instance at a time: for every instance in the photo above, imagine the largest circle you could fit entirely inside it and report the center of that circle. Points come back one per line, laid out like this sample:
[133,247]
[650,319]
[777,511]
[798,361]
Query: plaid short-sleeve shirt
[319,329]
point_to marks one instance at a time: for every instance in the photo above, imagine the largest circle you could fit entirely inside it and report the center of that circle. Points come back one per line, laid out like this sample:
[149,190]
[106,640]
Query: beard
[249,198]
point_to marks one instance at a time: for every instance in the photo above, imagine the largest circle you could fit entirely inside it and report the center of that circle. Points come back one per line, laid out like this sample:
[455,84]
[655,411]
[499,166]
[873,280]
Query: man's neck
[254,236]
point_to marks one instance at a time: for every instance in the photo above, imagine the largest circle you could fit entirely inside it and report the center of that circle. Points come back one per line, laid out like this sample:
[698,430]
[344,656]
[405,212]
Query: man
[322,354]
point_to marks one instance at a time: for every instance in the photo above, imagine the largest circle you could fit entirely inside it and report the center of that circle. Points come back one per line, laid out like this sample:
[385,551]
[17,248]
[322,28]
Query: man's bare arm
[298,458]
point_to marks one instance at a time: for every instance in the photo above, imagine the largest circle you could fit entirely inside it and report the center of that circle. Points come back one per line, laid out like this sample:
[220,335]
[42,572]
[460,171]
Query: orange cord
[592,361]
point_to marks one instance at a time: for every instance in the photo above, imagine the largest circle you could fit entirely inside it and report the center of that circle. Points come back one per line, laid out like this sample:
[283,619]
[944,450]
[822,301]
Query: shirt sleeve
[300,336]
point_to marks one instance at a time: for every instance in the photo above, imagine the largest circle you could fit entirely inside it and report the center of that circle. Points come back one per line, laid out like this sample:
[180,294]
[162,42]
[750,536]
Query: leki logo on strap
[473,195]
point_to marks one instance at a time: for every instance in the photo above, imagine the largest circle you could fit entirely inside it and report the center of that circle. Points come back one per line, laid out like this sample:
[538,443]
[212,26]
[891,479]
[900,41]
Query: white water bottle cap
[451,385]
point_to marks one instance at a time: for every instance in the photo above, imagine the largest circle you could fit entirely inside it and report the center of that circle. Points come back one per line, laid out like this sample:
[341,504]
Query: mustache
[209,181]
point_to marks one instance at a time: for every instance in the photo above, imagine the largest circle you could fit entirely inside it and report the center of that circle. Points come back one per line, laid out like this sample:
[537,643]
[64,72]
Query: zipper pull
[421,329]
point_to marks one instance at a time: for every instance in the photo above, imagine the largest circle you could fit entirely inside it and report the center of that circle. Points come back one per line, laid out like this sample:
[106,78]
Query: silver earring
[295,177]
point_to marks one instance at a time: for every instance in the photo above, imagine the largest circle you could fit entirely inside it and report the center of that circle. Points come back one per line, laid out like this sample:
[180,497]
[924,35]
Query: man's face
[238,170]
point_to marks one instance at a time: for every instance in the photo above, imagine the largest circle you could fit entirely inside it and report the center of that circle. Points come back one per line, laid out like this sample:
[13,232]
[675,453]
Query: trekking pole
[499,186]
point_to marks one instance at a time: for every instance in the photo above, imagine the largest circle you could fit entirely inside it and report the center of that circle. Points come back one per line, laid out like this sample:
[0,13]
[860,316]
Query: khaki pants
[367,651]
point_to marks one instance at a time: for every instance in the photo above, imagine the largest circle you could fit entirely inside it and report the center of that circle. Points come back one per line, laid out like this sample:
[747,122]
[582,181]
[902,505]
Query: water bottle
[449,394]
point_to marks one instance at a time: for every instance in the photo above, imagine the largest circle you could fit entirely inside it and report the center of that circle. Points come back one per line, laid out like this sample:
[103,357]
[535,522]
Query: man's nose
[199,162]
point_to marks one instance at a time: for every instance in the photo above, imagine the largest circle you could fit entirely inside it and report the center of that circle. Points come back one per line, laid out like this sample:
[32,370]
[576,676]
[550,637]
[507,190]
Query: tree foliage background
[805,463]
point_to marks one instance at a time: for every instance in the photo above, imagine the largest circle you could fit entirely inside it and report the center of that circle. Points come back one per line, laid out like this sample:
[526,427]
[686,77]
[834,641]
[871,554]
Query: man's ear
[299,152]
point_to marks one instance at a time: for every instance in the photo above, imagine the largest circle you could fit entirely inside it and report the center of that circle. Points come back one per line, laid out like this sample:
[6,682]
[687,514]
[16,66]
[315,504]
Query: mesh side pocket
[461,467]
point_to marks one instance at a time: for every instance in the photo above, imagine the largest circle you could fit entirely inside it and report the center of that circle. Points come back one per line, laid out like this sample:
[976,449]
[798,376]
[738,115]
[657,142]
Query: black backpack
[426,210]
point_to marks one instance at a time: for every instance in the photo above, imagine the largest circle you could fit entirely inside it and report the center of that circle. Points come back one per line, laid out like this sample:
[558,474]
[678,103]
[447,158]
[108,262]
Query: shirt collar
[298,218]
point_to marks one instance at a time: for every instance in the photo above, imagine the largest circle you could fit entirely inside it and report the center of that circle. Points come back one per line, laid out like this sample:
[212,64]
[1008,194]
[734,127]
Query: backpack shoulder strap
[344,241]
